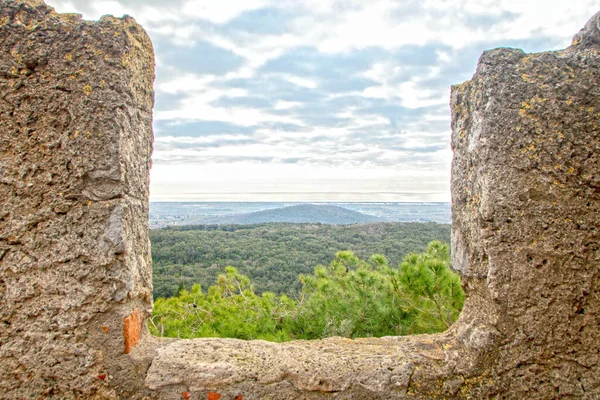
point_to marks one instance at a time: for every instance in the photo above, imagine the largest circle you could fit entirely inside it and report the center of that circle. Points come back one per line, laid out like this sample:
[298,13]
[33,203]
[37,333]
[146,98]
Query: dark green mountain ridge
[306,213]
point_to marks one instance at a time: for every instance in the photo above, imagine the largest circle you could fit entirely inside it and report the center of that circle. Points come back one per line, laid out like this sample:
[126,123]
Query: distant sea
[184,213]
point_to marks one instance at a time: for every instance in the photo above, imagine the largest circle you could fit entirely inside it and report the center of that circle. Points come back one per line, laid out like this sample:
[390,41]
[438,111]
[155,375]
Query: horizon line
[300,201]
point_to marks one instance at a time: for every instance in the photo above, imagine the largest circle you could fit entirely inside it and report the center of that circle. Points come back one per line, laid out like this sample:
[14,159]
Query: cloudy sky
[319,100]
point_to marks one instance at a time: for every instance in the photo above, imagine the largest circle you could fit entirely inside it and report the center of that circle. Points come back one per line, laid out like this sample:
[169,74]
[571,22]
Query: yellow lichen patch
[529,149]
[77,74]
[470,383]
[87,89]
[458,109]
[526,106]
[16,55]
[571,170]
[69,17]
[527,78]
[102,83]
[69,57]
[462,87]
[14,70]
[527,59]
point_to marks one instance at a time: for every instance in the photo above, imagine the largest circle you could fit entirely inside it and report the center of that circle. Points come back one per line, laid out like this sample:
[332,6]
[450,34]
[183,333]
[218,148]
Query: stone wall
[75,143]
[75,274]
[526,213]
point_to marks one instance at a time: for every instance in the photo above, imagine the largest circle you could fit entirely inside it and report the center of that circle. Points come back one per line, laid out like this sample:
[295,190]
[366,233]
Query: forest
[273,255]
[351,297]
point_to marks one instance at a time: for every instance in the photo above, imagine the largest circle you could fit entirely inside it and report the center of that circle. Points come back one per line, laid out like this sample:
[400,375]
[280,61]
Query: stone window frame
[75,266]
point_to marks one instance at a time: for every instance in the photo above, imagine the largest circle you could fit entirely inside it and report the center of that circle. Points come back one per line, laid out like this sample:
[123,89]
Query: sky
[319,100]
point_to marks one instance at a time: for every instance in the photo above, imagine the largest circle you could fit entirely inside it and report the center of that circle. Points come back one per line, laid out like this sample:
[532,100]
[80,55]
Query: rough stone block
[76,103]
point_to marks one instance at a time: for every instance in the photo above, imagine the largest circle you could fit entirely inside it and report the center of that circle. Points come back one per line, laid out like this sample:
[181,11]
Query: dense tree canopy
[273,255]
[350,297]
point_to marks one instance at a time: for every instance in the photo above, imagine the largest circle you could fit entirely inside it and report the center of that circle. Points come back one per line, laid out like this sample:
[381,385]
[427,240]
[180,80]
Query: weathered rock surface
[356,369]
[75,142]
[526,221]
[75,276]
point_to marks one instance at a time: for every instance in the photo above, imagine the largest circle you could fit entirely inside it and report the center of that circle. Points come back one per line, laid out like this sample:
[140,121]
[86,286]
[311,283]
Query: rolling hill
[307,213]
[302,213]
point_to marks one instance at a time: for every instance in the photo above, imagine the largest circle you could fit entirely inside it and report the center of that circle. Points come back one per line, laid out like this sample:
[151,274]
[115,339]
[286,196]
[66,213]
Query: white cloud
[409,152]
[299,81]
[286,105]
[196,109]
[187,83]
[361,120]
[340,26]
[410,92]
[199,104]
[220,11]
[180,35]
[191,140]
[373,23]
